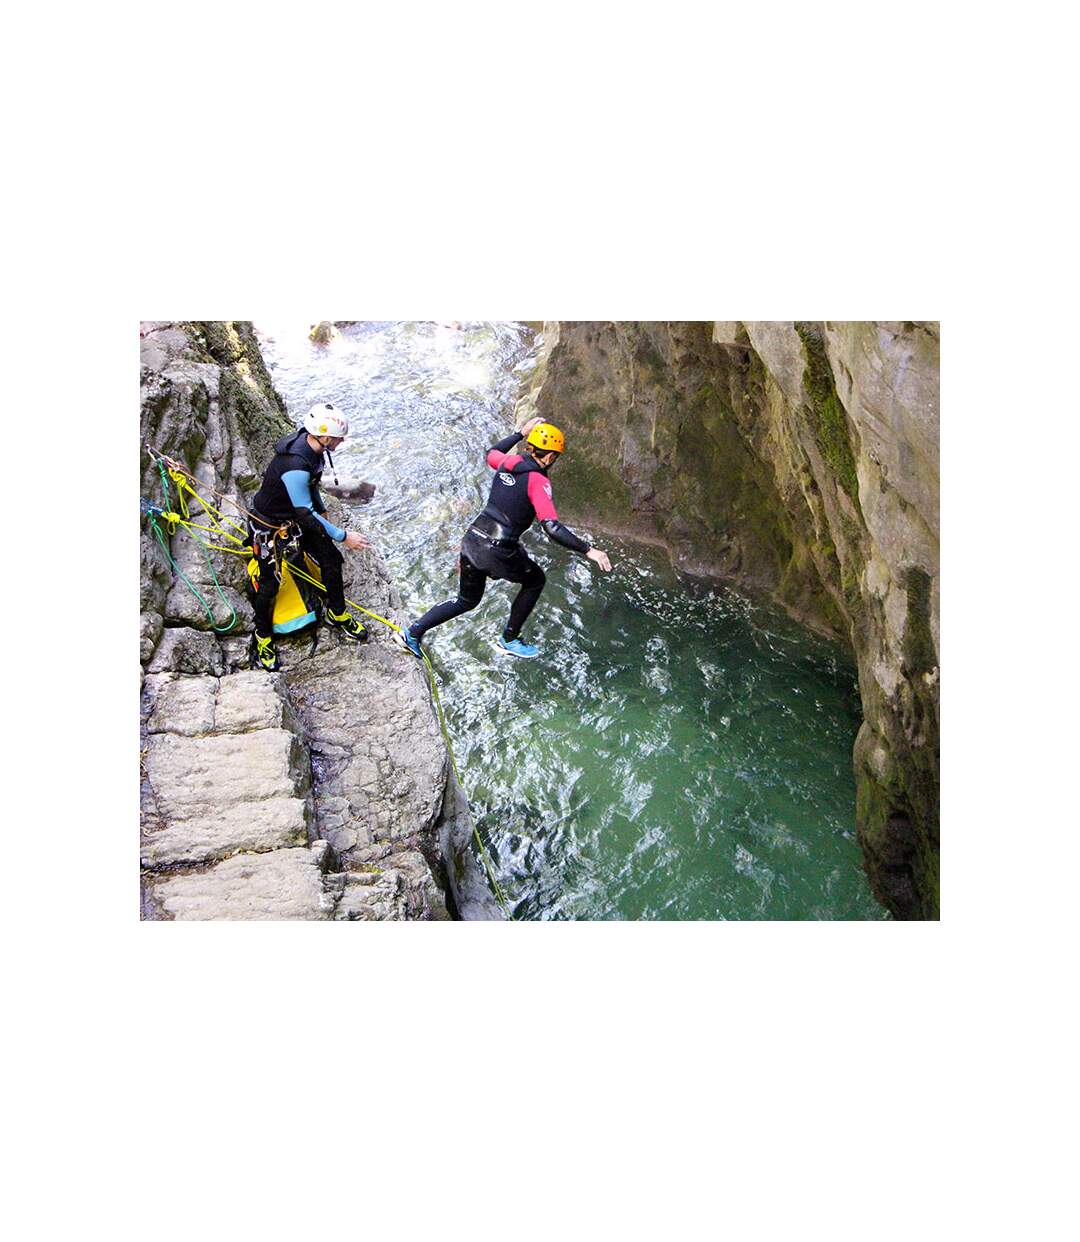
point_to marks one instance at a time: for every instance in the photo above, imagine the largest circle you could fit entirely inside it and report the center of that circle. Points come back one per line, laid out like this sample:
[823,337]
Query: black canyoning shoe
[347,626]
[264,654]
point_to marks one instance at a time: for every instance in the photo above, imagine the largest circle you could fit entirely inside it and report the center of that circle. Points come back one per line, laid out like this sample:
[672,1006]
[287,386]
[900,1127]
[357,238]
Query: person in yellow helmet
[520,495]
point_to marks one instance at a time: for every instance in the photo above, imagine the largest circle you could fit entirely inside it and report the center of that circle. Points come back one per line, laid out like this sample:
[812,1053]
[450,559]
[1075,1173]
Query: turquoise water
[678,751]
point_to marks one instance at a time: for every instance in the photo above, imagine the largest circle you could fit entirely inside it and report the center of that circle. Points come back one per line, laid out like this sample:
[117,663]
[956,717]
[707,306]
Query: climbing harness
[182,479]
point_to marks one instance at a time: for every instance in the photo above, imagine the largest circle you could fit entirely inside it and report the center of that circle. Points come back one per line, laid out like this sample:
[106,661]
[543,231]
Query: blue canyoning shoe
[412,645]
[516,647]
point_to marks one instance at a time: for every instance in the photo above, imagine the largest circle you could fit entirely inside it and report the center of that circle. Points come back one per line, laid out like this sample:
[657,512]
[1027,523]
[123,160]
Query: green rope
[218,629]
[164,482]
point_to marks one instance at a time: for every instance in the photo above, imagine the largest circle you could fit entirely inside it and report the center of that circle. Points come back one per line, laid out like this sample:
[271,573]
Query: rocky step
[228,816]
[294,884]
[226,769]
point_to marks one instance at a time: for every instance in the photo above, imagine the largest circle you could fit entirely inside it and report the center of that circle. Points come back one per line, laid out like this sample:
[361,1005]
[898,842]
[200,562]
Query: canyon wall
[798,459]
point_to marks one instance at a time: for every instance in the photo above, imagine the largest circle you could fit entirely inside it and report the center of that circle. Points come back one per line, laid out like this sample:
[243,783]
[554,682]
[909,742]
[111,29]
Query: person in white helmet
[289,499]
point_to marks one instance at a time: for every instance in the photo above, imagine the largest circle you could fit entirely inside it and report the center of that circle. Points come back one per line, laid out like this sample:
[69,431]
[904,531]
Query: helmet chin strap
[333,468]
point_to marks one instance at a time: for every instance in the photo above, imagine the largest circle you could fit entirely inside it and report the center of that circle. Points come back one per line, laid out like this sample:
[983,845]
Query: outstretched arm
[554,529]
[540,495]
[544,507]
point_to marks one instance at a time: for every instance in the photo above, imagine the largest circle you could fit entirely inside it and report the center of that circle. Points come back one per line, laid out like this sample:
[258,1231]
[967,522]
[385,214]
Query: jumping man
[520,494]
[289,499]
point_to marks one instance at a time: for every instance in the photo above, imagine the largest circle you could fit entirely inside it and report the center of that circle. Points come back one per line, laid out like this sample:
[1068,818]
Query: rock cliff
[321,792]
[798,459]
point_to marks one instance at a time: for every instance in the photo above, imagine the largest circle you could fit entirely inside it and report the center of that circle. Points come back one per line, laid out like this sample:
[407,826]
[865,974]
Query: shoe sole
[349,638]
[404,646]
[516,654]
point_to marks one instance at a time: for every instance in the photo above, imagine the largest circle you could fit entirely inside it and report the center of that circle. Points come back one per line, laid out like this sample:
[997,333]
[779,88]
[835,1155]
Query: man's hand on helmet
[533,422]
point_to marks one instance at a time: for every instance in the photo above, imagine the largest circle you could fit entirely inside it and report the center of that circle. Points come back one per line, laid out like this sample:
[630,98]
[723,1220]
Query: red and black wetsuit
[520,495]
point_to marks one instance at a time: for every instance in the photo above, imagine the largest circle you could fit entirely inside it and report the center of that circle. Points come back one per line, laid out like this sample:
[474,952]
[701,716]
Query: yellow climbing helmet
[547,437]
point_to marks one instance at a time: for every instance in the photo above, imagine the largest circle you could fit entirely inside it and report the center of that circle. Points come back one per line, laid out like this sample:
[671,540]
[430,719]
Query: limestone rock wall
[800,459]
[323,791]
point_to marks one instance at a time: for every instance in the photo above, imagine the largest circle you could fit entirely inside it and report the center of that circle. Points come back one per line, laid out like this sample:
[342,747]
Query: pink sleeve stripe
[495,459]
[540,495]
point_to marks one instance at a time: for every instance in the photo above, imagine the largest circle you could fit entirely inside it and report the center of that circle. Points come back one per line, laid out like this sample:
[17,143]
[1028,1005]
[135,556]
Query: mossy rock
[831,427]
[919,653]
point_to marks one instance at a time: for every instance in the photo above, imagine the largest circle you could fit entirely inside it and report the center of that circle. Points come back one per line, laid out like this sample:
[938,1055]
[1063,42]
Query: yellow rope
[180,477]
[181,484]
[216,547]
[216,530]
[442,725]
[176,466]
[175,520]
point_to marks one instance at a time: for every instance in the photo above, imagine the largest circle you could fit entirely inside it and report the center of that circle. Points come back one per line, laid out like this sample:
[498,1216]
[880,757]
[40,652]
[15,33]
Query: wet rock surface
[323,332]
[358,493]
[319,792]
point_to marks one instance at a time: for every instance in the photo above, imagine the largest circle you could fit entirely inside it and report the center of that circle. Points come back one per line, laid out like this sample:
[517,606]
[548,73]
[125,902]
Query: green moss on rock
[830,418]
[694,442]
[246,388]
[260,424]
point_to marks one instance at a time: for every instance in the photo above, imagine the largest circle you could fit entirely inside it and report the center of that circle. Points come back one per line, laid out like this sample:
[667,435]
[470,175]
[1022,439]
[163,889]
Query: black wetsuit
[520,494]
[289,496]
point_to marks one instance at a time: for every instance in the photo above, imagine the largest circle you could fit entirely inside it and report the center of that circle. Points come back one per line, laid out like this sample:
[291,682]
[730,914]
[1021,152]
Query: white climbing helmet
[324,420]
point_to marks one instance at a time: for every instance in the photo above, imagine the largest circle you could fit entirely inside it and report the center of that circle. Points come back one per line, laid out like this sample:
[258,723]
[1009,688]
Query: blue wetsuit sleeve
[317,500]
[298,485]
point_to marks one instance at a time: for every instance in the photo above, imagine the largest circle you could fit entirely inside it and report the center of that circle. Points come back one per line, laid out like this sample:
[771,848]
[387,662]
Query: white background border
[565,161]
